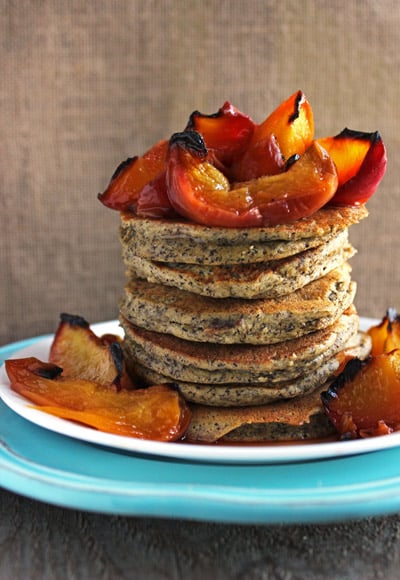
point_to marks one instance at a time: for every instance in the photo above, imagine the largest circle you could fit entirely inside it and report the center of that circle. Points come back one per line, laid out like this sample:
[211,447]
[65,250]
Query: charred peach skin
[198,191]
[226,133]
[365,398]
[157,413]
[82,354]
[360,159]
[131,176]
[288,131]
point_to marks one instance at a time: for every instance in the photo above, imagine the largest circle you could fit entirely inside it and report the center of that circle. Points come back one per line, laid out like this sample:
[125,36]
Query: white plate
[205,453]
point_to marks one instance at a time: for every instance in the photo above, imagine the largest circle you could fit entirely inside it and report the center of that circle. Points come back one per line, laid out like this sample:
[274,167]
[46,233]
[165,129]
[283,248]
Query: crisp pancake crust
[188,243]
[227,321]
[301,418]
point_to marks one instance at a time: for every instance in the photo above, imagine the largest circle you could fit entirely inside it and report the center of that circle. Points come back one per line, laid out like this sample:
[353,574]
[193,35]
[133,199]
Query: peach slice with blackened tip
[82,354]
[287,131]
[157,413]
[366,396]
[361,160]
[131,176]
[226,133]
[385,336]
[292,123]
[201,193]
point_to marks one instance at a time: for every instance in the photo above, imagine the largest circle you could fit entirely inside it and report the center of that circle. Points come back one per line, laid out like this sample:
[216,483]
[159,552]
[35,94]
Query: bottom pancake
[296,419]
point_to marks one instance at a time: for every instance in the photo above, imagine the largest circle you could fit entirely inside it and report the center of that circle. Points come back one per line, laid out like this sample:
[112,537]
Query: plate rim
[256,502]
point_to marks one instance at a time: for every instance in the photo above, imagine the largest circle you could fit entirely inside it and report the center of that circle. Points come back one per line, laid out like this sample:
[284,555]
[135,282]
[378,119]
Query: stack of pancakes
[248,323]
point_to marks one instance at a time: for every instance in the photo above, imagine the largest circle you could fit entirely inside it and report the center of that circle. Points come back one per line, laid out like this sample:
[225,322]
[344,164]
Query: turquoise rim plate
[68,472]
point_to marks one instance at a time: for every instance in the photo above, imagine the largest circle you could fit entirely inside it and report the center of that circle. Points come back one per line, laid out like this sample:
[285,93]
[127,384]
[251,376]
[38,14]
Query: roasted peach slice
[287,131]
[226,133]
[82,354]
[360,159]
[364,400]
[153,200]
[385,336]
[201,193]
[158,413]
[131,176]
[264,158]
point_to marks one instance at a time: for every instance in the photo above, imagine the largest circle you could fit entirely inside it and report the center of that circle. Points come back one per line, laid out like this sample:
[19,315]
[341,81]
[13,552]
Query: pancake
[236,395]
[164,309]
[268,365]
[297,419]
[250,324]
[243,395]
[253,280]
[188,243]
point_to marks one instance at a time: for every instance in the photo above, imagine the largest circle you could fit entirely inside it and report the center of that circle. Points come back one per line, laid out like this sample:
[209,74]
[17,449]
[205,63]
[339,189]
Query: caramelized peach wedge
[226,170]
[132,175]
[200,192]
[364,400]
[226,133]
[82,354]
[287,131]
[360,159]
[93,389]
[385,336]
[157,413]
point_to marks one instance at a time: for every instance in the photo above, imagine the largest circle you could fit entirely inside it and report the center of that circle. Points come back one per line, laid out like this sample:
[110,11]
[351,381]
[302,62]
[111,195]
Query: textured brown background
[86,84]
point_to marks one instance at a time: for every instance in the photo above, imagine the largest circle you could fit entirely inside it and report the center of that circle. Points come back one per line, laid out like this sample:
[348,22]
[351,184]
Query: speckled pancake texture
[248,323]
[184,360]
[188,243]
[301,417]
[251,280]
[233,320]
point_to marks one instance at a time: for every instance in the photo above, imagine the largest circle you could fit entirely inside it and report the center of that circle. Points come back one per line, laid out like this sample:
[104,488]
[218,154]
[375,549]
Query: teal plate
[68,472]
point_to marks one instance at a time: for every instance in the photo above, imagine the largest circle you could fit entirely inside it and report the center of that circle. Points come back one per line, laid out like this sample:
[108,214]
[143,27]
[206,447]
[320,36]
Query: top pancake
[189,243]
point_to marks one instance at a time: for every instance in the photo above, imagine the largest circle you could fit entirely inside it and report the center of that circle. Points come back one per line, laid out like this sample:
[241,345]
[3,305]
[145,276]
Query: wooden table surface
[41,541]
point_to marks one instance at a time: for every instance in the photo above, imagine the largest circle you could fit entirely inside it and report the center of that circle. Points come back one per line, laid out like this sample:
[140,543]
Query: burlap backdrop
[86,84]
